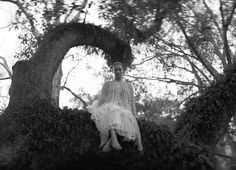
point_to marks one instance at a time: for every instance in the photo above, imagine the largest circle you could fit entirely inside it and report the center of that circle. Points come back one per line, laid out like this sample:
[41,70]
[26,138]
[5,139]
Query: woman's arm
[133,107]
[103,95]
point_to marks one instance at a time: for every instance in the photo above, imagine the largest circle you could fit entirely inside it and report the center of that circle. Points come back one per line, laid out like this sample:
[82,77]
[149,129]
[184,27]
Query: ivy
[206,117]
[68,139]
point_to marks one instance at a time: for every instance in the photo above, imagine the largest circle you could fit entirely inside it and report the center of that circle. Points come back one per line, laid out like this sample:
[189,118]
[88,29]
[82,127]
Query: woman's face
[118,71]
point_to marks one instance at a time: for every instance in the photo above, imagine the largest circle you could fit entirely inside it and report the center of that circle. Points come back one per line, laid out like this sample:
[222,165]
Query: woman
[114,112]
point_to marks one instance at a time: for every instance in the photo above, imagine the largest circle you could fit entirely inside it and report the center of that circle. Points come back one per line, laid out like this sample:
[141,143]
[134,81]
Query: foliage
[136,20]
[206,117]
[29,45]
[204,120]
[67,139]
[161,111]
[189,37]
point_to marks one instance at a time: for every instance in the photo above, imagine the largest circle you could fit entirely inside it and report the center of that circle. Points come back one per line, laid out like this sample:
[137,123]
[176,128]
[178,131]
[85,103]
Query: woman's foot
[138,143]
[140,148]
[115,145]
[103,139]
[107,146]
[114,141]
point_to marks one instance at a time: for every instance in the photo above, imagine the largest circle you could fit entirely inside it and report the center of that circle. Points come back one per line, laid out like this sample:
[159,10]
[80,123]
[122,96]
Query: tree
[204,49]
[202,122]
[46,60]
[201,30]
[50,14]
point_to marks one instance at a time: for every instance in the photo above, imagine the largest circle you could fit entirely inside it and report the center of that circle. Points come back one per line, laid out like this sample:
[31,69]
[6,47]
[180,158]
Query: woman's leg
[107,146]
[114,141]
[103,138]
[139,142]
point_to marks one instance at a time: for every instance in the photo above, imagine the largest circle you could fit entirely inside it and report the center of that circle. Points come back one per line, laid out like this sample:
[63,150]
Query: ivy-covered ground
[43,137]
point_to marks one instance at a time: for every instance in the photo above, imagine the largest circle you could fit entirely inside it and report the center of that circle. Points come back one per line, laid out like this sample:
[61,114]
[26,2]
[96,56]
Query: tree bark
[56,85]
[33,79]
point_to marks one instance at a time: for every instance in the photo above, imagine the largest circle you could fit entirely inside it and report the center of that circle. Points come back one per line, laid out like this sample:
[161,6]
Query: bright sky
[8,46]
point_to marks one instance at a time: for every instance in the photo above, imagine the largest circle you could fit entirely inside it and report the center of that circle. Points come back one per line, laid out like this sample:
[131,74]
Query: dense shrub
[44,137]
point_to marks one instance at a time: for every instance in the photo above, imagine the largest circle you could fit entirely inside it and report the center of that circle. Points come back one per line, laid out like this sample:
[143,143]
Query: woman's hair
[117,63]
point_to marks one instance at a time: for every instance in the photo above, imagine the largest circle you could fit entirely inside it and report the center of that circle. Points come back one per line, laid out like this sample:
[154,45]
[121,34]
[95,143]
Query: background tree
[188,40]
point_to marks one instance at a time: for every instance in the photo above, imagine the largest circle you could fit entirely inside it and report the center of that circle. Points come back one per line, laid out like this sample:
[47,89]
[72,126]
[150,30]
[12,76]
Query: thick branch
[32,79]
[225,25]
[213,18]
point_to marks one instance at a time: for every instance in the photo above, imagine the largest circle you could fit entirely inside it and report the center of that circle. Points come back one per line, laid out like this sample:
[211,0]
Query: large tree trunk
[33,79]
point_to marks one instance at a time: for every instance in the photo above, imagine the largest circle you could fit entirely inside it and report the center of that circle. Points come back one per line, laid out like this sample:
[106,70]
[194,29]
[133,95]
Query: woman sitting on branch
[114,113]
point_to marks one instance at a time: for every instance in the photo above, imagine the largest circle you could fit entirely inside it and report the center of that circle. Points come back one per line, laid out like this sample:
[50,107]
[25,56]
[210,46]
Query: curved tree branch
[6,67]
[33,78]
[84,103]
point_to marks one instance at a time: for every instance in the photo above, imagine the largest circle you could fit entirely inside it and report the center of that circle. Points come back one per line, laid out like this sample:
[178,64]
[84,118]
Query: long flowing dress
[115,109]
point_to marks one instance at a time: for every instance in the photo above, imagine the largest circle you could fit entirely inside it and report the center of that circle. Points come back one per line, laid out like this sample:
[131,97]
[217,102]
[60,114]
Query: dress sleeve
[133,107]
[103,95]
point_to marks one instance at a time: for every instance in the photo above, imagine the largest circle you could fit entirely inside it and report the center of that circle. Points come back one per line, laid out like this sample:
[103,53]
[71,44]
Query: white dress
[115,109]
